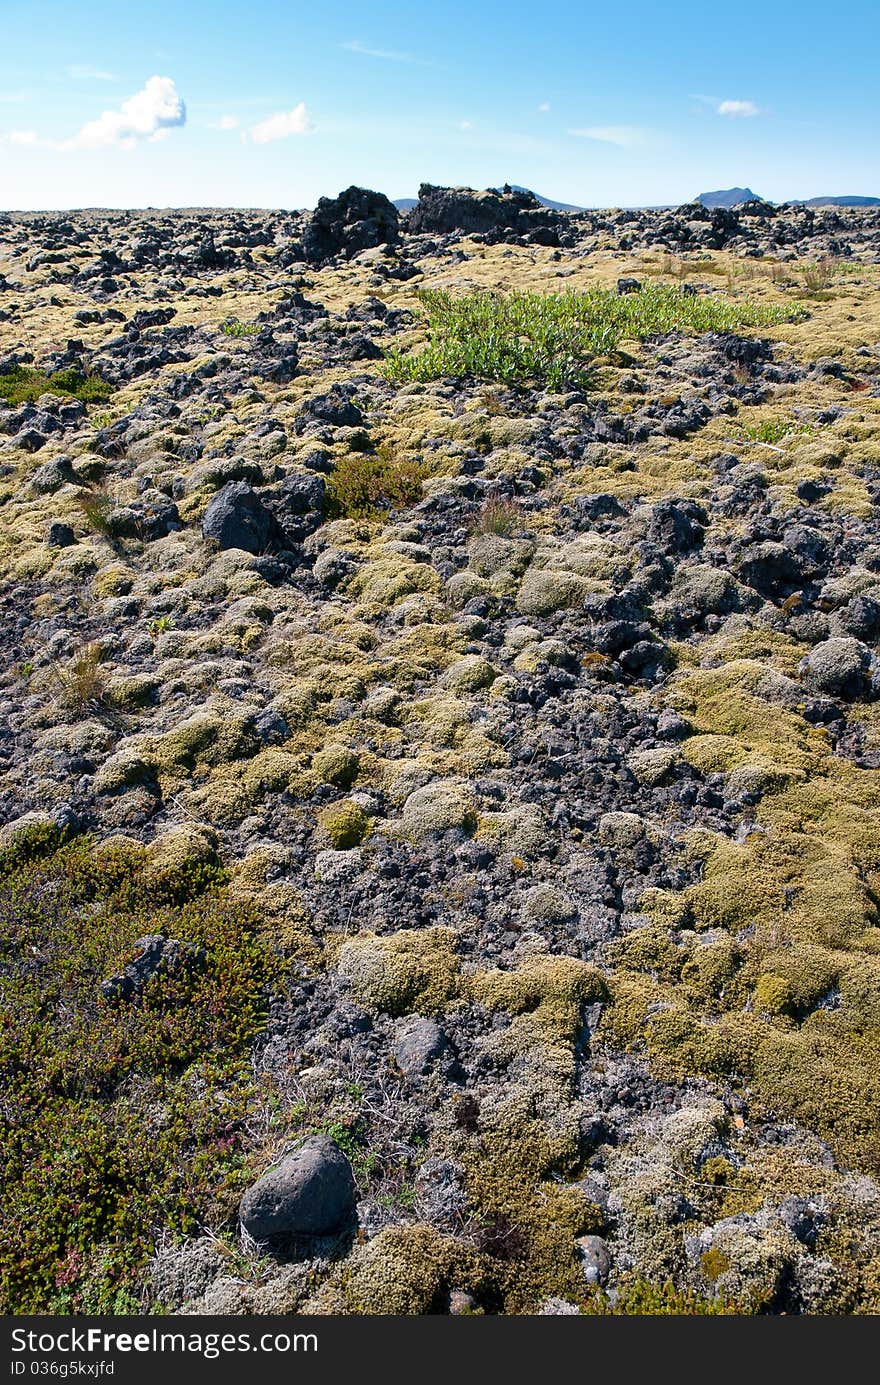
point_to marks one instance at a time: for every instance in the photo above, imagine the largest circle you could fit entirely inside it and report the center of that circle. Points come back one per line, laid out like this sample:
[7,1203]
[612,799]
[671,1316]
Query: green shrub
[22,385]
[120,1120]
[363,483]
[235,328]
[554,339]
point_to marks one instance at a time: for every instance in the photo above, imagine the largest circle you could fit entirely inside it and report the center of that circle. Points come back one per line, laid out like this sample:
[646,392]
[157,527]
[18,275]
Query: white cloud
[544,107]
[737,108]
[625,136]
[465,125]
[226,122]
[282,125]
[24,138]
[81,72]
[390,55]
[150,114]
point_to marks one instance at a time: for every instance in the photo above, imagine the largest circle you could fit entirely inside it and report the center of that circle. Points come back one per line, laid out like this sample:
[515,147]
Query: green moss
[404,972]
[773,994]
[345,823]
[636,1297]
[403,1271]
[337,765]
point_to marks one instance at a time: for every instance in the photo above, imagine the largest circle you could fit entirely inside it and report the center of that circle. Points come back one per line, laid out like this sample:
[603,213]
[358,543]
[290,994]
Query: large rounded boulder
[308,1193]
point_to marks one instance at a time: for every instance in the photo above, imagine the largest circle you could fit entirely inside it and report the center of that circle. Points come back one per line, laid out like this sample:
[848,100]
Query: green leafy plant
[773,430]
[555,339]
[235,328]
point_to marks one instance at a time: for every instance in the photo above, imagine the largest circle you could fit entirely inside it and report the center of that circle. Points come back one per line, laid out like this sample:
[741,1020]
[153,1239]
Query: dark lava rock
[60,535]
[771,568]
[860,617]
[336,408]
[677,526]
[629,286]
[153,954]
[441,211]
[309,1193]
[52,475]
[356,220]
[237,518]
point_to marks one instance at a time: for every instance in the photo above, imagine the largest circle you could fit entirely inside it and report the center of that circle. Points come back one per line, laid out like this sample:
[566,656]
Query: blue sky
[273,104]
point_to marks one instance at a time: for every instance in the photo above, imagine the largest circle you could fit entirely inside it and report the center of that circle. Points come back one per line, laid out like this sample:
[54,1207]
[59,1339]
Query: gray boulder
[237,518]
[842,667]
[418,1044]
[309,1193]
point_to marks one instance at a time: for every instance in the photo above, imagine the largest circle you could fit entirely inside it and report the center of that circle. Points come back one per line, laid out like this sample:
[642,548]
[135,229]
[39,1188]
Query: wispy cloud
[728,107]
[151,114]
[737,108]
[389,55]
[282,125]
[544,107]
[465,125]
[24,138]
[13,98]
[226,122]
[624,136]
[81,72]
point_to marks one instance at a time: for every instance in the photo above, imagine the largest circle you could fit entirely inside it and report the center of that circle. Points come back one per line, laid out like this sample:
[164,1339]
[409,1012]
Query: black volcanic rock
[358,219]
[441,211]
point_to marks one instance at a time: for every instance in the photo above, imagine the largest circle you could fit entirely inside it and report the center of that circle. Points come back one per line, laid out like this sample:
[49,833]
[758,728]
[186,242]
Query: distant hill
[837,202]
[728,197]
[548,202]
[406,204]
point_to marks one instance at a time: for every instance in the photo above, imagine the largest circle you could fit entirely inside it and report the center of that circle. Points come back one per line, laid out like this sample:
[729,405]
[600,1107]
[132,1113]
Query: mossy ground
[760,977]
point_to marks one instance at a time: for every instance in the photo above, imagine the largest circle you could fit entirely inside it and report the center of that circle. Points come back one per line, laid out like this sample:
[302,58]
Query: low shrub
[121,1120]
[22,385]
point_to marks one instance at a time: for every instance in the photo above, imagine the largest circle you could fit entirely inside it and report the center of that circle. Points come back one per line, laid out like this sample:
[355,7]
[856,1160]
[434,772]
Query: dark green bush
[22,385]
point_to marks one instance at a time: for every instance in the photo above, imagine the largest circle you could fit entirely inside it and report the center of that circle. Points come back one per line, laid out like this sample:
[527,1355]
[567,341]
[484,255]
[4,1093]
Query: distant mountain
[406,204]
[728,197]
[837,202]
[548,202]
